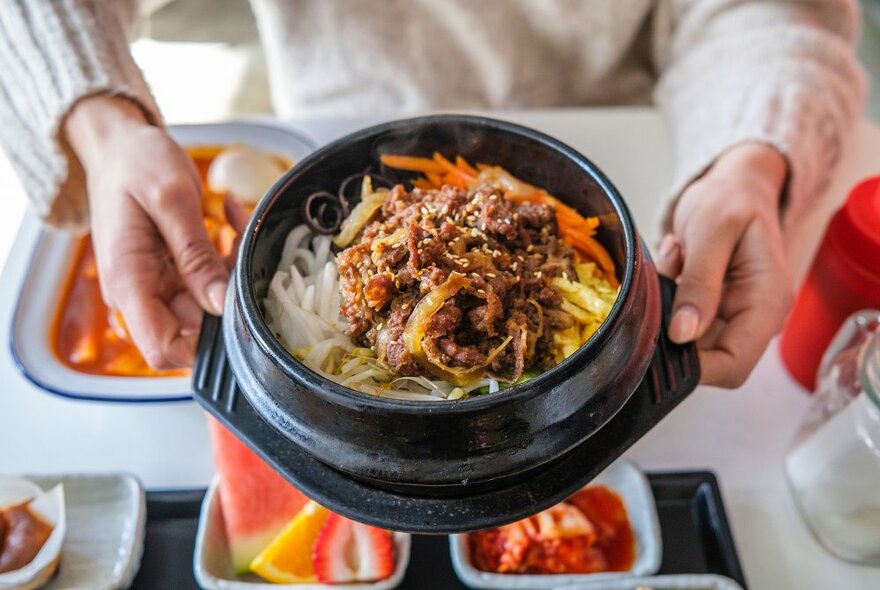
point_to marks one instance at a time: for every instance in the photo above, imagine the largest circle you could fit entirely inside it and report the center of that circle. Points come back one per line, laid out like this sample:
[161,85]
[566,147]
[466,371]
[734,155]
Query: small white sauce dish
[632,485]
[212,565]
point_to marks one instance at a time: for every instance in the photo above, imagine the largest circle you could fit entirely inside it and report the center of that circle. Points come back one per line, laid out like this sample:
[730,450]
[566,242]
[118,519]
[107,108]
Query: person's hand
[156,264]
[726,253]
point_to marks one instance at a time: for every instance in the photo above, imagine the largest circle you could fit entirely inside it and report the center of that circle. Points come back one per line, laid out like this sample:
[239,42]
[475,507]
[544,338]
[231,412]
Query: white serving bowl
[635,490]
[213,570]
[50,265]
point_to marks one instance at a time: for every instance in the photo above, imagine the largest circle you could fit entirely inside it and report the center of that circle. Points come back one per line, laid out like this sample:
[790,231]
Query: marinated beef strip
[507,251]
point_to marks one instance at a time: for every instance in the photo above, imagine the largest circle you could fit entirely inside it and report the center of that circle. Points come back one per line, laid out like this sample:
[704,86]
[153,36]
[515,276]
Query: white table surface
[741,435]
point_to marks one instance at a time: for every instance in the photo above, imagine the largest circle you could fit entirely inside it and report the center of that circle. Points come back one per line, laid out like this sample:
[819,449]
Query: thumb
[181,223]
[706,256]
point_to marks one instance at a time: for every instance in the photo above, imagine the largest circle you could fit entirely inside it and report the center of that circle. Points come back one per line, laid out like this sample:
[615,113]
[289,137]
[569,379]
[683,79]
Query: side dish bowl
[633,487]
[212,565]
[444,448]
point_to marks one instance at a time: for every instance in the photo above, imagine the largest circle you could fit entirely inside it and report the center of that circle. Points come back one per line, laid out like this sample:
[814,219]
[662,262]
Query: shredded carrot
[444,163]
[412,163]
[436,180]
[456,180]
[594,250]
[458,176]
[576,230]
[463,165]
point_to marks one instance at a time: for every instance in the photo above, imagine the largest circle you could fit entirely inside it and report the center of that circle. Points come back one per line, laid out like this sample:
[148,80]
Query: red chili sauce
[590,532]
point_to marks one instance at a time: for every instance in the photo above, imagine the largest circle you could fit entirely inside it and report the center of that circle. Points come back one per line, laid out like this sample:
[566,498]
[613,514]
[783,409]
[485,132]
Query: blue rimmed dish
[51,262]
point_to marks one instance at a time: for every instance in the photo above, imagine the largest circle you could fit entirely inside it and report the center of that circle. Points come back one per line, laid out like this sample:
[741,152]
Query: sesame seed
[481,291]
[396,245]
[530,247]
[513,267]
[565,276]
[538,274]
[491,275]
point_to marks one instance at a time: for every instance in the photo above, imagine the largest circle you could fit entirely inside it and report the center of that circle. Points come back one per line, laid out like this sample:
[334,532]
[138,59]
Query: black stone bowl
[443,449]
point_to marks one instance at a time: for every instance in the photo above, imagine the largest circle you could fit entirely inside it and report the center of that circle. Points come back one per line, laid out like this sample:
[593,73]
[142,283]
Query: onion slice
[430,304]
[417,326]
[361,214]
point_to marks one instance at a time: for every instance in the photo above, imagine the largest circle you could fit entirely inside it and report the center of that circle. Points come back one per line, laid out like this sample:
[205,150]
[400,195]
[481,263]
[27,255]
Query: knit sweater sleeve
[773,71]
[53,53]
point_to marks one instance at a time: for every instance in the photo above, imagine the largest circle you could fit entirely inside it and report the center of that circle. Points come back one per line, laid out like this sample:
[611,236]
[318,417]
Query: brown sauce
[22,534]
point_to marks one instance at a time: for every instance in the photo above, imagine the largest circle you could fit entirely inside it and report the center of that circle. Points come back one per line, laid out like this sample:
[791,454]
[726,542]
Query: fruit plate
[632,485]
[212,565]
[52,256]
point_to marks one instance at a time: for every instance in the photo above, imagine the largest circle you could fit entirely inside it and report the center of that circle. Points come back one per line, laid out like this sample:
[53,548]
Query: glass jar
[833,467]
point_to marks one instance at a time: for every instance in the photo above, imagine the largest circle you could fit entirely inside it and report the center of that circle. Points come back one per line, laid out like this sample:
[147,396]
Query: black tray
[671,377]
[694,526]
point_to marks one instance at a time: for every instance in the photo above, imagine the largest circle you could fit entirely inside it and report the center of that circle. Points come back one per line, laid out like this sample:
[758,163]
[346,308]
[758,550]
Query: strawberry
[348,551]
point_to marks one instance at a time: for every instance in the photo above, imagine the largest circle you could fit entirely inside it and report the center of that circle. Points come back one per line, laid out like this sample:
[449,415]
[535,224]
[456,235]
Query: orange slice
[288,558]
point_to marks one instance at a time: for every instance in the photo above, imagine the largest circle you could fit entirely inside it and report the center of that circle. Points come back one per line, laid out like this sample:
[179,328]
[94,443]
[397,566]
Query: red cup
[844,278]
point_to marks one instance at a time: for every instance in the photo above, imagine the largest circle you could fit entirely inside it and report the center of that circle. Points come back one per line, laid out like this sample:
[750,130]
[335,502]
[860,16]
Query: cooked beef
[507,252]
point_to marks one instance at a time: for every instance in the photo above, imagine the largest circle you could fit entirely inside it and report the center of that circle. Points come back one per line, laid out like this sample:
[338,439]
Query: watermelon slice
[257,503]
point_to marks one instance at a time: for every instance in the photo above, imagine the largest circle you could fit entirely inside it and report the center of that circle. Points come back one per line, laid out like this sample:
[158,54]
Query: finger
[707,249]
[736,350]
[236,214]
[669,258]
[178,217]
[187,311]
[713,332]
[156,331]
[238,217]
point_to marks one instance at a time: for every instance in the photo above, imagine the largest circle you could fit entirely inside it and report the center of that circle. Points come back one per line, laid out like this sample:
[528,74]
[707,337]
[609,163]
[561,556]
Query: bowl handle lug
[674,371]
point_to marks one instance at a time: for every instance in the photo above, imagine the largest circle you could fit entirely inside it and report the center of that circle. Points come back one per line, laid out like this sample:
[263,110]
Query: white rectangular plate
[104,541]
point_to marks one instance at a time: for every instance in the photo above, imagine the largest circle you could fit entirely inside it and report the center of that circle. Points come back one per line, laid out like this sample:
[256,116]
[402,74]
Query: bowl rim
[255,323]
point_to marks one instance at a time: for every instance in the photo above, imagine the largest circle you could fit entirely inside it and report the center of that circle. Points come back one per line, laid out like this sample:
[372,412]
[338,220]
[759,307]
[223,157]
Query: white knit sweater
[723,71]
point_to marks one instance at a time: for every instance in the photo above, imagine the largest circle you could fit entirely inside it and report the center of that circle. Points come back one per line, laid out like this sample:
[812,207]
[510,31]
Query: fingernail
[667,246]
[216,294]
[685,324]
